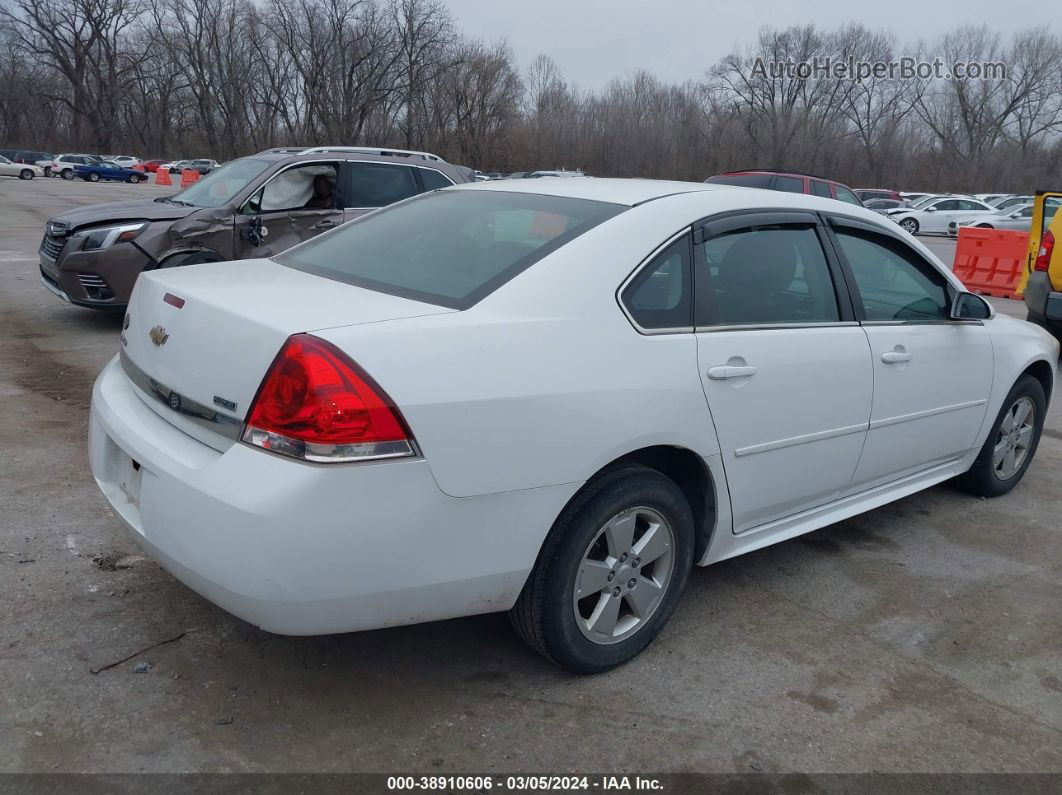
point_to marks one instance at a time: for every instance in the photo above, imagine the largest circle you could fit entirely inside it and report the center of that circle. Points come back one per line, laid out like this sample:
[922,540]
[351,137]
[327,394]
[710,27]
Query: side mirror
[1015,215]
[967,306]
[931,209]
[254,232]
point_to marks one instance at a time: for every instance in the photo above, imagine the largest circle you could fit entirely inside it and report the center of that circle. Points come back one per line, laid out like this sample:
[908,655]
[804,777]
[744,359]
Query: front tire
[47,171]
[909,225]
[610,572]
[25,174]
[1011,444]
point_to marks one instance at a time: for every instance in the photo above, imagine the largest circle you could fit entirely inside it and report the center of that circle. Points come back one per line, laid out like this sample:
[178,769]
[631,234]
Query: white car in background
[20,170]
[933,215]
[1015,218]
[125,161]
[509,396]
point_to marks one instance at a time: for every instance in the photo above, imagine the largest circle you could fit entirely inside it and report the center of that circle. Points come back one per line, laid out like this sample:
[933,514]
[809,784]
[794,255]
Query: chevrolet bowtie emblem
[158,336]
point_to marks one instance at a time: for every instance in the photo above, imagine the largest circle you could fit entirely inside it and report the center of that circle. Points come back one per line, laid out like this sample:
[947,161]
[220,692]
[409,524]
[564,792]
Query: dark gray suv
[256,206]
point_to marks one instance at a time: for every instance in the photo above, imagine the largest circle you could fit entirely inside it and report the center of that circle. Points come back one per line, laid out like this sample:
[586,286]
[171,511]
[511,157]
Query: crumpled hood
[140,209]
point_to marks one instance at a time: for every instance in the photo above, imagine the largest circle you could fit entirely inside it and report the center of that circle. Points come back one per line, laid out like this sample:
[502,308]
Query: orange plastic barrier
[188,176]
[991,261]
[139,167]
[162,177]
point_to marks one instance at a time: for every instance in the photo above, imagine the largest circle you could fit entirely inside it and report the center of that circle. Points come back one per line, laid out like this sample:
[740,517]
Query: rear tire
[581,606]
[67,173]
[93,177]
[47,171]
[1011,444]
[134,179]
[25,174]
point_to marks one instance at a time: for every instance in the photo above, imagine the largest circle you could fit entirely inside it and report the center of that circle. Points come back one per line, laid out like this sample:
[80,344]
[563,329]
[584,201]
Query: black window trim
[734,220]
[834,220]
[645,263]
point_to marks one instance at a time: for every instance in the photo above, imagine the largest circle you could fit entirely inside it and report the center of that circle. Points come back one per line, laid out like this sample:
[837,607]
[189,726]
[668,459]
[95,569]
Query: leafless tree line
[223,78]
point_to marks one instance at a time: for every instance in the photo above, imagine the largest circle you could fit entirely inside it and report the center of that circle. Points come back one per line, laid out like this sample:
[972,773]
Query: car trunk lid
[198,340]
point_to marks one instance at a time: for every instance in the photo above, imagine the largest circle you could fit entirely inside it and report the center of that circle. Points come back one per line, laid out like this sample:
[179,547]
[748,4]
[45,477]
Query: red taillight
[318,405]
[1043,256]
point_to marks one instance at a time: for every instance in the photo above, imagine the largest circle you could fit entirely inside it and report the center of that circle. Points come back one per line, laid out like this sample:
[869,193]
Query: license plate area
[129,476]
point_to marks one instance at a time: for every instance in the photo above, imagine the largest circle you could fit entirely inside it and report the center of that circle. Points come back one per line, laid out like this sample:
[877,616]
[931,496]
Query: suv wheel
[47,171]
[610,572]
[67,173]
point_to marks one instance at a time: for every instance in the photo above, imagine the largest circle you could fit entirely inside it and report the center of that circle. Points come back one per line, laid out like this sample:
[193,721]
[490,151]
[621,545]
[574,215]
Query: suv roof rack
[777,171]
[373,150]
[283,150]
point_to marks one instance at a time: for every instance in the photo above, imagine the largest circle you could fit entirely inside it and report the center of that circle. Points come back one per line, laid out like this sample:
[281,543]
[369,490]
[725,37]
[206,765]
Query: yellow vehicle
[1042,281]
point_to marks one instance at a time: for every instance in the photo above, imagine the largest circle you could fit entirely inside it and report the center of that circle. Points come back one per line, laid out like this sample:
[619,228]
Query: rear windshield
[450,248]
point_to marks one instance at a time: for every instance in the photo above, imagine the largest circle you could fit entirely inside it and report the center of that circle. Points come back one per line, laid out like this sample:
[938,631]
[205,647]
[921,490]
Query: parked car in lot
[66,165]
[125,161]
[1008,202]
[175,166]
[110,171]
[20,170]
[788,181]
[1042,284]
[202,166]
[509,396]
[152,166]
[992,198]
[914,198]
[1015,218]
[932,215]
[882,206]
[255,206]
[866,194]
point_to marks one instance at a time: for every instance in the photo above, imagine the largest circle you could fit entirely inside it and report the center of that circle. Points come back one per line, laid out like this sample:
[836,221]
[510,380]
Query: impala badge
[158,336]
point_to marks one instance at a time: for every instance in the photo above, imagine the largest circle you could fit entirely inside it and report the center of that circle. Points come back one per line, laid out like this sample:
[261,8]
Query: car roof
[617,191]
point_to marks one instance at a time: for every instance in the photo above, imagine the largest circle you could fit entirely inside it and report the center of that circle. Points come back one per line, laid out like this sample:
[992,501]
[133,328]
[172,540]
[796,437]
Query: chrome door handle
[724,371]
[895,357]
[327,223]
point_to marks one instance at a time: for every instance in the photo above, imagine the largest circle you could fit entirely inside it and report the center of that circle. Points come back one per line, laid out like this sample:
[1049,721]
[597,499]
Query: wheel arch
[1042,371]
[690,473]
[209,254]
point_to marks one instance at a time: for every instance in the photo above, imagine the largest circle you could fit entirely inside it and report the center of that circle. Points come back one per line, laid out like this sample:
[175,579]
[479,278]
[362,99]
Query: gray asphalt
[923,636]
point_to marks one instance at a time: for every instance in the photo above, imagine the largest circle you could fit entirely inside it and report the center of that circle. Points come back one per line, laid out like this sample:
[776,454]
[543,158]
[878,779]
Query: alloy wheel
[1014,438]
[623,576]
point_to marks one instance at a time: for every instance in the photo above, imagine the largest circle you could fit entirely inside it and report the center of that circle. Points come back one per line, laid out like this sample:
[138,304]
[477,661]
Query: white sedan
[20,170]
[933,215]
[552,397]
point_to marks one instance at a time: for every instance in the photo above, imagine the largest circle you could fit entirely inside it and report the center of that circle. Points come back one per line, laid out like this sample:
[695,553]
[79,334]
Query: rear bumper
[306,549]
[1041,298]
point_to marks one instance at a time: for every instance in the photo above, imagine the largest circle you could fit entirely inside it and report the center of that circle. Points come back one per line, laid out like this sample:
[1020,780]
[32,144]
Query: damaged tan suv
[256,206]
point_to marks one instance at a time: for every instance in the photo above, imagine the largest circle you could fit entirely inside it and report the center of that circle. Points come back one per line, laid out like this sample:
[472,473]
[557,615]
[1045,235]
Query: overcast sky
[595,40]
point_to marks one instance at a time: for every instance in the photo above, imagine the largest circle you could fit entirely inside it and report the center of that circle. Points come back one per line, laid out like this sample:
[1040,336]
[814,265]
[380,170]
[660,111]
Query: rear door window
[371,185]
[789,184]
[765,275]
[450,248]
[820,188]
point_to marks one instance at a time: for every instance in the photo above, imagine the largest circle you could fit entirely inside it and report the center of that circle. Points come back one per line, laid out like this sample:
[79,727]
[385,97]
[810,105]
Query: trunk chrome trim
[208,417]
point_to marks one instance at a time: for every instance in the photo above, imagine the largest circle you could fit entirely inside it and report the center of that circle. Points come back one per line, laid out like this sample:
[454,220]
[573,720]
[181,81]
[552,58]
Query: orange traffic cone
[188,176]
[162,177]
